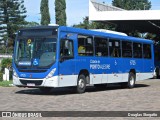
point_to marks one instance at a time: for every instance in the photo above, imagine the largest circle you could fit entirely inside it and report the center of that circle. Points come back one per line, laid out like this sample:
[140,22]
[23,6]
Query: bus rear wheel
[81,84]
[131,80]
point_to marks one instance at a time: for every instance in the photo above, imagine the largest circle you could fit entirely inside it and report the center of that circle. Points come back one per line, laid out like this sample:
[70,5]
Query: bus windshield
[35,52]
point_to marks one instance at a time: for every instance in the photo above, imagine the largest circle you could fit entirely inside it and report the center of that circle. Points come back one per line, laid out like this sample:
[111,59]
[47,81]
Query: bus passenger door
[115,73]
[67,75]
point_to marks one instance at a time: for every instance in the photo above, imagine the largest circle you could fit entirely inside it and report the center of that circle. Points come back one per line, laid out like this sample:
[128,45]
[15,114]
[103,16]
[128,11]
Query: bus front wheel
[81,84]
[131,80]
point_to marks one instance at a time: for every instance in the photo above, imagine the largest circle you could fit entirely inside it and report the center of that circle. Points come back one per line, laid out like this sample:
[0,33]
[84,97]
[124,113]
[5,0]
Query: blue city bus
[48,57]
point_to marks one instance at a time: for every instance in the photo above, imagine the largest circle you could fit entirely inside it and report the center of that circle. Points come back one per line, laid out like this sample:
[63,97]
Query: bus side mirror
[61,59]
[66,44]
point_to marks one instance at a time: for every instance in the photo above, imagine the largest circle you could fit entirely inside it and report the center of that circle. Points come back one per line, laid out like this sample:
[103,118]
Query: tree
[12,17]
[132,4]
[60,10]
[31,24]
[85,24]
[45,16]
[6,63]
[94,25]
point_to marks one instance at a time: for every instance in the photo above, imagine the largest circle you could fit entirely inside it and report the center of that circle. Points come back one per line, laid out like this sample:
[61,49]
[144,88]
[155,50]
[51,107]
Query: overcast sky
[76,10]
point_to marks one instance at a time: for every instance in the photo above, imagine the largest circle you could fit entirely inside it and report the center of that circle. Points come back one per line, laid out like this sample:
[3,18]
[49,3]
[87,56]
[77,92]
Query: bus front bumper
[25,82]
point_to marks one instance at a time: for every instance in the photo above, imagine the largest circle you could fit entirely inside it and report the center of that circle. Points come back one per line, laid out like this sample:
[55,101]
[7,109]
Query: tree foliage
[12,17]
[31,24]
[45,16]
[94,25]
[60,11]
[132,4]
[85,24]
[6,63]
[135,5]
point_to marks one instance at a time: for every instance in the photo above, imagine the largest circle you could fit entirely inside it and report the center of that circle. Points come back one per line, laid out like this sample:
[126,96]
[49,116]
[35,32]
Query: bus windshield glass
[35,52]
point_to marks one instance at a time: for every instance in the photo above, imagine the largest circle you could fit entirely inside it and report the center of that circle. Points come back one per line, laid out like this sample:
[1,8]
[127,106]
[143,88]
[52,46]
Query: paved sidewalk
[144,97]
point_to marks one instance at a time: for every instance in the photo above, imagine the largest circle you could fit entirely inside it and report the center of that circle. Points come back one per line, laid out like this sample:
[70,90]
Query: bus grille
[32,71]
[36,82]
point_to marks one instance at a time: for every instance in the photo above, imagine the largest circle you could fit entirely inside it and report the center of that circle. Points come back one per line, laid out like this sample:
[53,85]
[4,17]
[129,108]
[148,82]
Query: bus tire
[45,89]
[81,84]
[131,80]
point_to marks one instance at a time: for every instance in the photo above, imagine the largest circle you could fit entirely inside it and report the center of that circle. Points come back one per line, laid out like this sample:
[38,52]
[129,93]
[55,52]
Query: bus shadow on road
[54,91]
[141,85]
[115,87]
[70,91]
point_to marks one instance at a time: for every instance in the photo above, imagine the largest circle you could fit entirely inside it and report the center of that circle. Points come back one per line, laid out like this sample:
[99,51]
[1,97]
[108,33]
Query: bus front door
[67,75]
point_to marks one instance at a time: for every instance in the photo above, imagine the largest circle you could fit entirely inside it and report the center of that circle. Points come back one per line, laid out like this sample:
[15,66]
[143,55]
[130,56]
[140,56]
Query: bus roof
[103,34]
[110,31]
[91,32]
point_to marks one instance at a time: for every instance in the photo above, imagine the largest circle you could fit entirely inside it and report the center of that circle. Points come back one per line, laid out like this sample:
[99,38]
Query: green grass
[5,83]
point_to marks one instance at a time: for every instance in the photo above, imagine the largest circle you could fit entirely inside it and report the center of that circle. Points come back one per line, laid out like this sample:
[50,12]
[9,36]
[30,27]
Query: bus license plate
[30,84]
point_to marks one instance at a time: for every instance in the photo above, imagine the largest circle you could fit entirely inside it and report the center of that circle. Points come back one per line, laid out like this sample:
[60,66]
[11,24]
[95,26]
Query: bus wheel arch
[85,72]
[133,71]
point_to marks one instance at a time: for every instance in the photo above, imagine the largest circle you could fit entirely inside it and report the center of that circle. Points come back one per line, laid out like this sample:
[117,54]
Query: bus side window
[85,45]
[101,46]
[126,49]
[137,50]
[147,51]
[114,48]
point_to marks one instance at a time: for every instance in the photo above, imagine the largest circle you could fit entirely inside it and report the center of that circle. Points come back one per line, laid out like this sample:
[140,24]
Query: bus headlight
[14,73]
[51,73]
